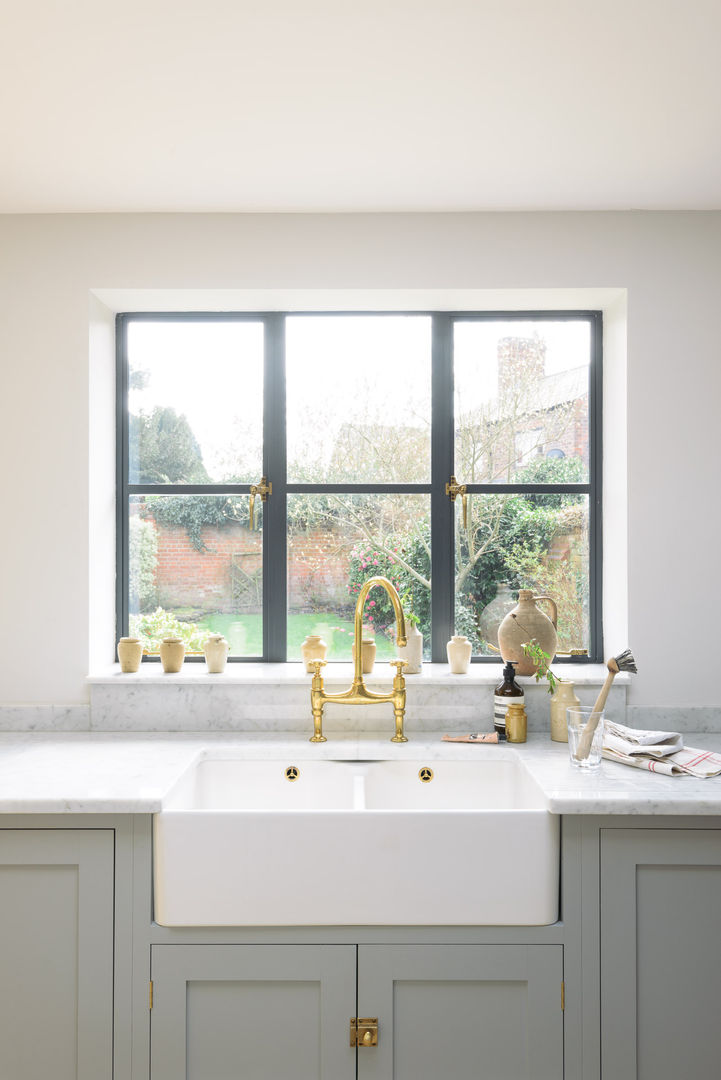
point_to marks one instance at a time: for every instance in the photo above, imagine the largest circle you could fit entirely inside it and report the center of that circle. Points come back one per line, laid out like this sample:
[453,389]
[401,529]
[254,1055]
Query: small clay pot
[458,651]
[313,648]
[130,653]
[172,654]
[216,653]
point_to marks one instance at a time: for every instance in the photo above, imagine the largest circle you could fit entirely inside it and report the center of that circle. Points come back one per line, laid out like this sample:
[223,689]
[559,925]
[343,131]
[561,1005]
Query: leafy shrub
[143,561]
[151,628]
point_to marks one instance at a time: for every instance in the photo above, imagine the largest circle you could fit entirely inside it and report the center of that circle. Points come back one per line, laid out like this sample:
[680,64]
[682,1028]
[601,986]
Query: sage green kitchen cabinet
[462,1012]
[56,954]
[282,1012]
[255,1012]
[660,954]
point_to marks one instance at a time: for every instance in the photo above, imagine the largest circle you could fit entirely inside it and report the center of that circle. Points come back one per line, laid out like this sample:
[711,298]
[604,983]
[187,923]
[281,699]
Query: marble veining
[130,773]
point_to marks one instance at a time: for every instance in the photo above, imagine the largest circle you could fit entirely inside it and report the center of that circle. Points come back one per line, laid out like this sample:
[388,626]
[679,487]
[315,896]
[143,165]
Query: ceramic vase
[564,697]
[216,653]
[172,654]
[368,655]
[526,623]
[412,651]
[313,648]
[130,653]
[458,651]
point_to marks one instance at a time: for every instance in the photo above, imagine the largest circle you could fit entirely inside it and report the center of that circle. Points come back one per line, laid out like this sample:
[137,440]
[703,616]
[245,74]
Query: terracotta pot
[564,697]
[412,651]
[172,654]
[313,648]
[216,653]
[526,623]
[130,653]
[458,651]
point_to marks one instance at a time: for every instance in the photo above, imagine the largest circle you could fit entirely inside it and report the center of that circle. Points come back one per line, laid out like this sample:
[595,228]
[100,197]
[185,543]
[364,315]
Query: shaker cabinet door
[462,1012]
[56,954]
[252,1012]
[660,954]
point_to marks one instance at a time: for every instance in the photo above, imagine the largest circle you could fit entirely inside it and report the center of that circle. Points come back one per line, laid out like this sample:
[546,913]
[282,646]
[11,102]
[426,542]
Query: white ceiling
[351,105]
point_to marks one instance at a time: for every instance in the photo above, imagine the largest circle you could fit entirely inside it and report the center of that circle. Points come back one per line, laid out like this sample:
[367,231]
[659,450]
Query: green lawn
[244,634]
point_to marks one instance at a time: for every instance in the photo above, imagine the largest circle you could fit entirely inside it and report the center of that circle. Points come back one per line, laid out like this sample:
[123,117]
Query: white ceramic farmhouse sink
[245,843]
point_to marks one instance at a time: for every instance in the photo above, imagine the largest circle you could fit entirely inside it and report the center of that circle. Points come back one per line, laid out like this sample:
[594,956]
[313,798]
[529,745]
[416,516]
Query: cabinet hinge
[563,997]
[150,994]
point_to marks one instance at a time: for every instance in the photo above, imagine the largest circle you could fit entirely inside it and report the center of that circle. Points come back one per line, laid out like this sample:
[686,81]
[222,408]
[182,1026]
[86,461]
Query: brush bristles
[625,662]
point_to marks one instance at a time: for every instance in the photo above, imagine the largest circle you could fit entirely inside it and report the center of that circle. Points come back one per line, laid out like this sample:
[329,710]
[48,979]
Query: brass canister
[516,723]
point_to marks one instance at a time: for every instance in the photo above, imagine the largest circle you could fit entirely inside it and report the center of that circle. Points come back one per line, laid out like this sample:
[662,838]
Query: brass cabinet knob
[368,1038]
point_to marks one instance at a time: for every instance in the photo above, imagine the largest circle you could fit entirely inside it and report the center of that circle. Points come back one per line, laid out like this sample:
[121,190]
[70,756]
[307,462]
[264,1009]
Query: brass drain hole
[292,773]
[425,775]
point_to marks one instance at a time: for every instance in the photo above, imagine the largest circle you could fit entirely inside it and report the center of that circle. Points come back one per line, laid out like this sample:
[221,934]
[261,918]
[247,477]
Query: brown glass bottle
[507,691]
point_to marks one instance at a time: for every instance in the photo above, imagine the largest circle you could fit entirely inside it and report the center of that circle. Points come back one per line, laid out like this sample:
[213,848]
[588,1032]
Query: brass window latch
[453,490]
[264,489]
[364,1030]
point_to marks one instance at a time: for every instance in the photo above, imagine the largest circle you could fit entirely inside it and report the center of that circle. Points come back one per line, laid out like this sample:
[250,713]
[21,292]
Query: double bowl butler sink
[342,843]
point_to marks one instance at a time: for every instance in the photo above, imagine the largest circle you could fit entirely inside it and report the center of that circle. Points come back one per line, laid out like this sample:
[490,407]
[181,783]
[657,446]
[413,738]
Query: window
[358,421]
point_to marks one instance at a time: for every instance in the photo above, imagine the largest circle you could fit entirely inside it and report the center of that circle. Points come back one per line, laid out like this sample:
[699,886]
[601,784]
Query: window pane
[359,399]
[521,401]
[195,401]
[337,542]
[514,542]
[195,568]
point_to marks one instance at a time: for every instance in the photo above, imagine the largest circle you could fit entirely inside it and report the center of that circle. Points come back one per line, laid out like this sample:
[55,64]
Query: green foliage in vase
[542,660]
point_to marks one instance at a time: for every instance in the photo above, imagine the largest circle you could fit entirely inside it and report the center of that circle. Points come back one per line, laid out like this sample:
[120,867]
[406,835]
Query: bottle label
[500,707]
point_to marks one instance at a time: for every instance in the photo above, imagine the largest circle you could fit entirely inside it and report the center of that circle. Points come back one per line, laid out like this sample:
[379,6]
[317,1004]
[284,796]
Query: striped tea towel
[657,751]
[686,762]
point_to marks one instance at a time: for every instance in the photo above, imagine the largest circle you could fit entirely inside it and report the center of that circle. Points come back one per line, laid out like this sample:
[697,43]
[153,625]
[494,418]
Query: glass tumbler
[584,751]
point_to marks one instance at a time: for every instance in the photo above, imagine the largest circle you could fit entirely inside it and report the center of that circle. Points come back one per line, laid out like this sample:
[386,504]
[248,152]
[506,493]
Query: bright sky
[339,369]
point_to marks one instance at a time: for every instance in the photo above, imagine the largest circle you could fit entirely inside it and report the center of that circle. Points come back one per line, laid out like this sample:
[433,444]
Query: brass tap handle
[399,664]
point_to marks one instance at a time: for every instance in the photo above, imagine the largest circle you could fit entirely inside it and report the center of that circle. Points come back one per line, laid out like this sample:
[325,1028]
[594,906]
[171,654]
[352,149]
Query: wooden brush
[623,662]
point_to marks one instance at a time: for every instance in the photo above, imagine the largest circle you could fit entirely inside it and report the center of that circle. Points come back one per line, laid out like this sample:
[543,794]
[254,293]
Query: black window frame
[442,467]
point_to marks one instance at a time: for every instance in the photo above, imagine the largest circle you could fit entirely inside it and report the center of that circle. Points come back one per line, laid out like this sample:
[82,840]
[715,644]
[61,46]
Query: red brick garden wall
[226,576]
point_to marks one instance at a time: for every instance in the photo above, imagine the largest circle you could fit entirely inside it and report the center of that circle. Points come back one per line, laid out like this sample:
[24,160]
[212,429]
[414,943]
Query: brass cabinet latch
[364,1030]
[264,489]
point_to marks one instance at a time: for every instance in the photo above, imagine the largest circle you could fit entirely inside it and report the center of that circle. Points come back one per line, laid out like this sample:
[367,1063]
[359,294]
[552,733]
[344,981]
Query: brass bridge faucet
[357,694]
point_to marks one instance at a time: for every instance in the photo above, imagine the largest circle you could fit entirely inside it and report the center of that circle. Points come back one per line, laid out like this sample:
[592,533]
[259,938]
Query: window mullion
[442,520]
[122,525]
[275,508]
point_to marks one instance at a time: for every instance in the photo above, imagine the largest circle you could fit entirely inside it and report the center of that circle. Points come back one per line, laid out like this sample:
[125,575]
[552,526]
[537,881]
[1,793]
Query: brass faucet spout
[358,694]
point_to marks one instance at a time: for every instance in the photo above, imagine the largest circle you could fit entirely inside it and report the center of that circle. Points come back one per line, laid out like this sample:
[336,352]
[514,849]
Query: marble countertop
[132,772]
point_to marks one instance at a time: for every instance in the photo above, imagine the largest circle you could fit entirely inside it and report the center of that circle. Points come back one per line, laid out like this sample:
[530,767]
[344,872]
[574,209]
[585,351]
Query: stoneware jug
[172,654]
[412,651]
[525,623]
[458,651]
[216,653]
[564,697]
[130,653]
[313,648]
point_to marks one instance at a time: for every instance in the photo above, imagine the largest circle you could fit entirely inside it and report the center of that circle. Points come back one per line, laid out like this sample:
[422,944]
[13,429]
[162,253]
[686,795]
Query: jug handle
[552,602]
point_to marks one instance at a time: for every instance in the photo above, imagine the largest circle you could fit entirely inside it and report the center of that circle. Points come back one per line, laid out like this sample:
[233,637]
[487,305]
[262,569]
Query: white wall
[56,422]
